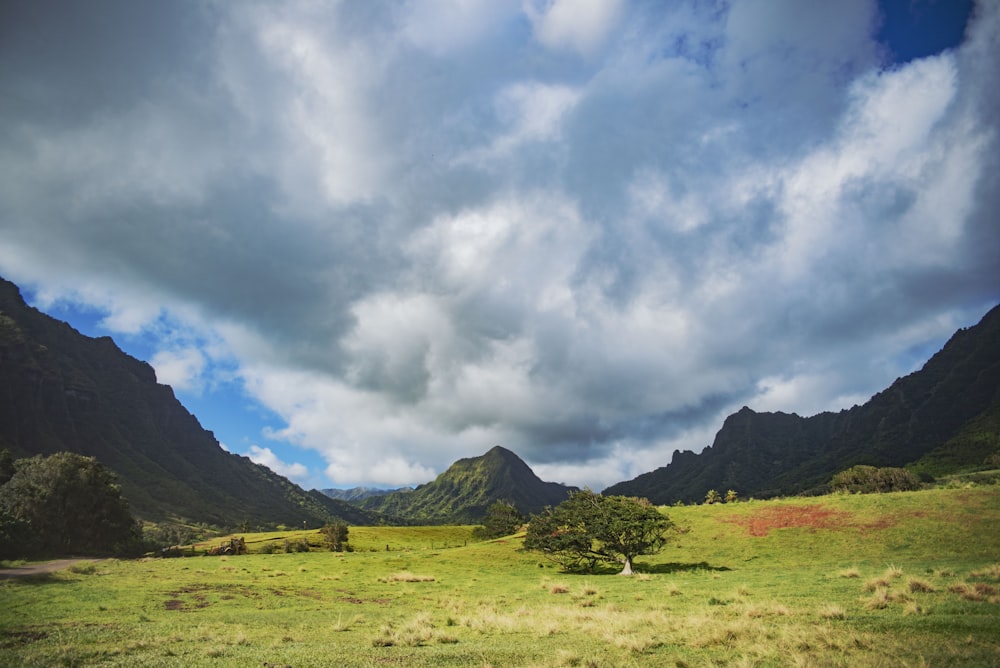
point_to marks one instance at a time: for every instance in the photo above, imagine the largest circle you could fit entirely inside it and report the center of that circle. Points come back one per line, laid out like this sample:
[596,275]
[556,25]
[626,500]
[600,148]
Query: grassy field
[892,580]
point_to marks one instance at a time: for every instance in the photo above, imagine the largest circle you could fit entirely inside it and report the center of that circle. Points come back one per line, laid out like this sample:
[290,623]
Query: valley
[892,579]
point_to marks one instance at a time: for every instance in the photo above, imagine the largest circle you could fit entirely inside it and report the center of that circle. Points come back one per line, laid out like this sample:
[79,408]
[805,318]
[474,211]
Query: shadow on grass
[658,569]
[33,578]
[676,567]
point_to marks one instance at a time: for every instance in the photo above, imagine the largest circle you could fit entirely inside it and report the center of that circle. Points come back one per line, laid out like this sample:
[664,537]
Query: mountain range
[63,391]
[358,493]
[942,417]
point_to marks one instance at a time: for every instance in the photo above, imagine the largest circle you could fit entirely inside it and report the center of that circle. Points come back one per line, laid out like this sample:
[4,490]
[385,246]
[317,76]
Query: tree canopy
[502,519]
[335,536]
[870,479]
[64,504]
[588,529]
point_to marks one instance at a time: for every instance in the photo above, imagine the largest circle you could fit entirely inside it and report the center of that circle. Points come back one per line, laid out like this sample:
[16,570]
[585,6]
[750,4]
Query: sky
[362,240]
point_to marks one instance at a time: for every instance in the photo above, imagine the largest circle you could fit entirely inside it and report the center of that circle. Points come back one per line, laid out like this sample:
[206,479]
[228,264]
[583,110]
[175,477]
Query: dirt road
[40,569]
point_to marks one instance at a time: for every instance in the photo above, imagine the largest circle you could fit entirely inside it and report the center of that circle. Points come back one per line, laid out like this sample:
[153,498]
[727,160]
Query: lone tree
[502,519]
[588,529]
[66,504]
[335,536]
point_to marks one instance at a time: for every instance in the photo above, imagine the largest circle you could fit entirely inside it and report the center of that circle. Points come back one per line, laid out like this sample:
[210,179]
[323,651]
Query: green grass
[361,539]
[757,583]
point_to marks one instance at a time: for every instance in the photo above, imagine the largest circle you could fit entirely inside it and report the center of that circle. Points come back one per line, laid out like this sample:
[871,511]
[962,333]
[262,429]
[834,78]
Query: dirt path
[40,569]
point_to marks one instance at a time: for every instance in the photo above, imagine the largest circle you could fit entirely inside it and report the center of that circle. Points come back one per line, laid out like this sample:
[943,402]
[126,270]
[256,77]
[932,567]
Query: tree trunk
[627,569]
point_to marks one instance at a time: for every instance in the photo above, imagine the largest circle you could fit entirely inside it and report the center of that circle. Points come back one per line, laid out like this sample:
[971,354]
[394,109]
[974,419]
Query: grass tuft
[342,625]
[918,586]
[406,576]
[980,591]
[876,583]
[417,632]
[832,611]
[893,572]
[849,573]
[879,600]
[991,572]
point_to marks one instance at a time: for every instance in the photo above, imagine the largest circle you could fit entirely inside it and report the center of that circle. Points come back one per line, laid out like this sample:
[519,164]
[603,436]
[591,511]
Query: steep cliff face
[767,454]
[60,390]
[462,494]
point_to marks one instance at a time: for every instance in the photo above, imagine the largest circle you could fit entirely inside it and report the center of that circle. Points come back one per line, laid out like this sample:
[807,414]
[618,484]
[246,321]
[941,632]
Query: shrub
[301,545]
[502,519]
[335,536]
[869,479]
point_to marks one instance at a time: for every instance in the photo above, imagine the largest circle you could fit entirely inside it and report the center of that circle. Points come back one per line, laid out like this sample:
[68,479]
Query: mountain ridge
[350,494]
[462,494]
[771,454]
[63,391]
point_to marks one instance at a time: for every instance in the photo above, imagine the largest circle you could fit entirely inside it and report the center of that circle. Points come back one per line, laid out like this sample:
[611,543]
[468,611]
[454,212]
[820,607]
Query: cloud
[265,457]
[181,369]
[448,26]
[580,25]
[585,231]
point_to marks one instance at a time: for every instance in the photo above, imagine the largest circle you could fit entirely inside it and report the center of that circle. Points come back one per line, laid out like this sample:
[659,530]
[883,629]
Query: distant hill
[357,493]
[949,412]
[462,494]
[61,390]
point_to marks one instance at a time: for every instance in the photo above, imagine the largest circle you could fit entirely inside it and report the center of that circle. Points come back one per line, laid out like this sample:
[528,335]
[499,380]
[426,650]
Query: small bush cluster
[713,497]
[287,546]
[871,480]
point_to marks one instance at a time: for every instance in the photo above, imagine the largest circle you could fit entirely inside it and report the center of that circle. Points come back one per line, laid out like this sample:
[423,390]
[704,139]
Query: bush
[502,519]
[335,536]
[301,545]
[71,504]
[869,480]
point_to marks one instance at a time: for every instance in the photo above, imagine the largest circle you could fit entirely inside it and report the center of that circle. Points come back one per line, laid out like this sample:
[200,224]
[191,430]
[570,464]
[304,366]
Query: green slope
[462,494]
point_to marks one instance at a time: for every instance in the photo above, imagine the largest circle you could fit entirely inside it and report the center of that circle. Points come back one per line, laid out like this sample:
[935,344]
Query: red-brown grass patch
[812,517]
